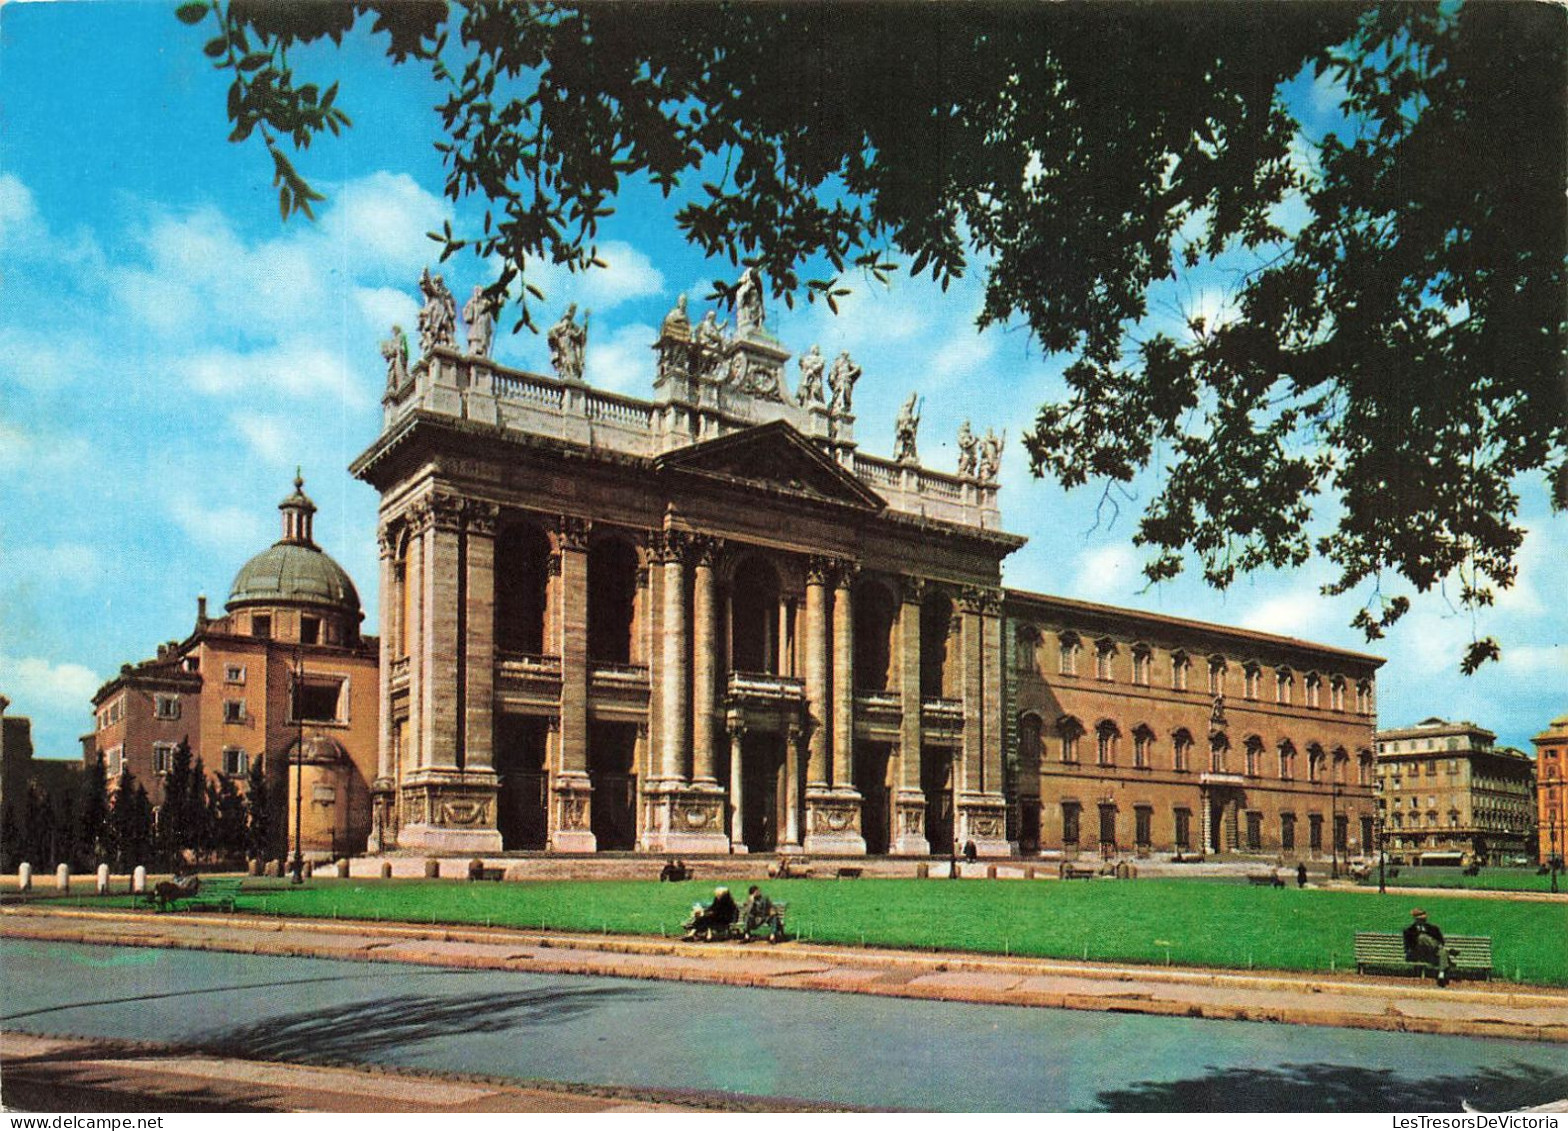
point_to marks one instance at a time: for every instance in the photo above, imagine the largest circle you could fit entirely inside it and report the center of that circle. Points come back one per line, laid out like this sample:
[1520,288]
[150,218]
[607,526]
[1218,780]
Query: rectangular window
[320,699]
[233,710]
[1254,831]
[1341,831]
[236,763]
[309,630]
[1070,812]
[1315,832]
[234,673]
[1143,826]
[1108,825]
[261,626]
[1287,830]
[114,762]
[166,706]
[1184,828]
[162,757]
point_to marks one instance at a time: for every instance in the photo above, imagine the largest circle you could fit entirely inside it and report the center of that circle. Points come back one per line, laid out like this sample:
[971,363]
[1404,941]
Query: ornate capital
[704,549]
[481,517]
[974,599]
[386,539]
[445,511]
[552,565]
[824,570]
[572,532]
[642,577]
[671,546]
[735,726]
[912,590]
[846,574]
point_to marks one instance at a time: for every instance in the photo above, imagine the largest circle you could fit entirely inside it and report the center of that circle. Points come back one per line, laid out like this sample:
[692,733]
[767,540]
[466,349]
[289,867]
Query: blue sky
[170,350]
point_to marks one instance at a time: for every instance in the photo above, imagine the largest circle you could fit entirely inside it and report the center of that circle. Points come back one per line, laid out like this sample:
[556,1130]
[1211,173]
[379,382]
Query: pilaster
[704,662]
[909,802]
[479,633]
[572,792]
[818,571]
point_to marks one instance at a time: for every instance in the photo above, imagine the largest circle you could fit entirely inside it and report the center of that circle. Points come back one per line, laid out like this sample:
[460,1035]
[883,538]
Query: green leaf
[191,13]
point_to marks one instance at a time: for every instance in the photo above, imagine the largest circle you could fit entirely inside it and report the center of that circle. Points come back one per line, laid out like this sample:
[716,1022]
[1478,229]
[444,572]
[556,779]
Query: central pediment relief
[775,458]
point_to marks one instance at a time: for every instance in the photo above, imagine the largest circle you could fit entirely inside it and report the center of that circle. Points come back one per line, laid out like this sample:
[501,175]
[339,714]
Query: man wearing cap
[1424,944]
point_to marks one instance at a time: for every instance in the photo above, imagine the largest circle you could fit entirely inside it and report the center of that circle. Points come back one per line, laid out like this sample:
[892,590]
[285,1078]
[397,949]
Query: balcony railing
[608,676]
[766,686]
[522,665]
[939,714]
[398,675]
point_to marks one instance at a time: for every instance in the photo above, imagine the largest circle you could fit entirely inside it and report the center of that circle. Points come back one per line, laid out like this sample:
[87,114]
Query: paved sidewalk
[1346,1000]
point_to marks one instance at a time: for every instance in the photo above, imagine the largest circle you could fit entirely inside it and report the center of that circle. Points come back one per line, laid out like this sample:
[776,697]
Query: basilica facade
[707,621]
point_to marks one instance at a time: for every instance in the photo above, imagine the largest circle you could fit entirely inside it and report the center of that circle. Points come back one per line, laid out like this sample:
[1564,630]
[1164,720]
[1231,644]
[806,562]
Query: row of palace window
[236,762]
[1251,827]
[1070,735]
[1107,651]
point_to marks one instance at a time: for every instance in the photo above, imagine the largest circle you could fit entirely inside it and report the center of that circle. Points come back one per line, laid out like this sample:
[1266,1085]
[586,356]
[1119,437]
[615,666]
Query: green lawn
[1181,921]
[1489,879]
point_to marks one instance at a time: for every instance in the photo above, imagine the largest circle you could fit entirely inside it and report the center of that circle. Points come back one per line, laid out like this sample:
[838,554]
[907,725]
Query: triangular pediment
[774,458]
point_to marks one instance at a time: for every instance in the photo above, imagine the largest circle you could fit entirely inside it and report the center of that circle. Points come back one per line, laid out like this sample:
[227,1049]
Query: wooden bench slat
[1385,950]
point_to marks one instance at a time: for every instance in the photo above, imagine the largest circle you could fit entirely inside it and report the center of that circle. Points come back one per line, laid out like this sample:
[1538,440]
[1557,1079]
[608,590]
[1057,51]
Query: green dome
[294,573]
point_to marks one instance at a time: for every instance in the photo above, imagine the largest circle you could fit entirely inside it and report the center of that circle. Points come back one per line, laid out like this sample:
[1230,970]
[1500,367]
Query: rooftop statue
[811,367]
[438,317]
[991,455]
[749,314]
[709,344]
[841,380]
[967,460]
[479,314]
[395,350]
[569,344]
[676,324]
[904,430]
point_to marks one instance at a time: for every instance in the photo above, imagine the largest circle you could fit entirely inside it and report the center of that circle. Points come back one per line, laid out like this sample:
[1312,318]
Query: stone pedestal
[909,824]
[982,818]
[571,825]
[449,811]
[383,816]
[833,823]
[685,819]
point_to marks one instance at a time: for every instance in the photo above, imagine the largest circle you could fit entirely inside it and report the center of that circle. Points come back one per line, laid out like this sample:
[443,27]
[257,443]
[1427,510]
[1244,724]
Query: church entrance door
[936,782]
[762,791]
[614,810]
[871,769]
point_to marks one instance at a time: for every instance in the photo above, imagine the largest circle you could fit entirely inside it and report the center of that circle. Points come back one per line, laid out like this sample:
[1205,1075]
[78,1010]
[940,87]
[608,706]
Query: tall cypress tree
[93,816]
[174,816]
[258,814]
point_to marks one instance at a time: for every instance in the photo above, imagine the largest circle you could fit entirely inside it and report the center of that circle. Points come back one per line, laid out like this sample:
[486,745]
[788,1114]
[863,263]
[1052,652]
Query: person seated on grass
[672,872]
[1424,944]
[759,911]
[717,917]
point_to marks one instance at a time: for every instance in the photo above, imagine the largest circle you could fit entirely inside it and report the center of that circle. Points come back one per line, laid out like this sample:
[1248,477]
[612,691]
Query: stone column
[982,808]
[704,656]
[572,825]
[479,631]
[844,681]
[909,830]
[440,635]
[381,789]
[413,752]
[676,706]
[991,674]
[737,733]
[816,646]
[792,736]
[972,683]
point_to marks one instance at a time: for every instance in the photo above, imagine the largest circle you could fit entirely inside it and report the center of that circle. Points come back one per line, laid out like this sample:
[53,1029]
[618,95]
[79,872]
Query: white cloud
[38,454]
[1302,613]
[33,683]
[271,437]
[388,307]
[623,363]
[382,220]
[628,274]
[41,362]
[64,563]
[236,531]
[298,369]
[1108,572]
[18,212]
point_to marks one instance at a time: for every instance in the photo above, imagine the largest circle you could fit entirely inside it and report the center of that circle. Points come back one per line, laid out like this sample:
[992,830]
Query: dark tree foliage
[93,816]
[39,837]
[1401,354]
[182,816]
[258,814]
[11,838]
[130,824]
[228,819]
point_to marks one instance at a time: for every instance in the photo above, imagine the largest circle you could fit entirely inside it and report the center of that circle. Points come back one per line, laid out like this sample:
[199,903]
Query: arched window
[1068,731]
[1026,650]
[1364,696]
[1216,675]
[1142,660]
[523,566]
[612,600]
[1069,645]
[754,616]
[1287,760]
[1252,677]
[1181,668]
[1254,754]
[1219,746]
[1105,659]
[1107,738]
[876,613]
[1314,686]
[1143,747]
[1336,693]
[1315,760]
[936,625]
[1366,768]
[1284,686]
[1341,764]
[1181,750]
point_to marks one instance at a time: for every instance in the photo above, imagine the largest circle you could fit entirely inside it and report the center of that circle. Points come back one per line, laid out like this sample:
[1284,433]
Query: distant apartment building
[285,668]
[1448,791]
[1551,760]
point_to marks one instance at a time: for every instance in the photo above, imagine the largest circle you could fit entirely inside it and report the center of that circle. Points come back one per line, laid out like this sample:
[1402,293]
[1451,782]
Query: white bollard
[62,877]
[24,878]
[343,868]
[139,880]
[103,879]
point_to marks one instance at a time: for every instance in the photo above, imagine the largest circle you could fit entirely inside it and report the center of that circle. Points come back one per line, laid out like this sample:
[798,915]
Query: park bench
[215,893]
[1385,950]
[1265,880]
[1072,871]
[850,873]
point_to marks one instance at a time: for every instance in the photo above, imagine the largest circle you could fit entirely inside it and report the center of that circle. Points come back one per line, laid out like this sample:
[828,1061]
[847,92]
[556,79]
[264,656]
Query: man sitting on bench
[758,911]
[715,919]
[1424,944]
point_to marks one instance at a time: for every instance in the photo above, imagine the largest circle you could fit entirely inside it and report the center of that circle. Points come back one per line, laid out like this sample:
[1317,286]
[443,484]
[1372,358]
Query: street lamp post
[1333,827]
[1381,848]
[1556,860]
[297,867]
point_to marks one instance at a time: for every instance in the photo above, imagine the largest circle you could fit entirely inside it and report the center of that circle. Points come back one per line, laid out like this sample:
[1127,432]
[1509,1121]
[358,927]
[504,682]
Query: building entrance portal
[614,806]
[936,782]
[763,793]
[522,803]
[872,761]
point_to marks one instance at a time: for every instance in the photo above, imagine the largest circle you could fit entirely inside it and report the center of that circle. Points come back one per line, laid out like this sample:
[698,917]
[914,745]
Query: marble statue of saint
[841,379]
[991,455]
[811,367]
[967,461]
[438,317]
[709,342]
[479,314]
[748,302]
[676,324]
[904,430]
[395,350]
[568,345]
